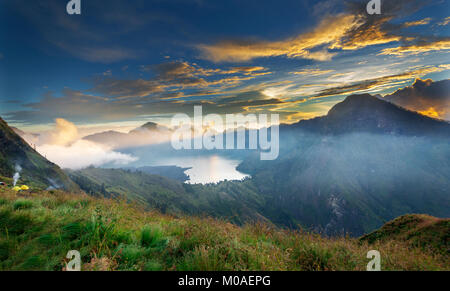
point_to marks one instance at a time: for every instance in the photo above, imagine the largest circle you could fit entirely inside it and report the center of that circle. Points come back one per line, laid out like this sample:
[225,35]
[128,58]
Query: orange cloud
[442,44]
[366,34]
[431,112]
[329,31]
[417,22]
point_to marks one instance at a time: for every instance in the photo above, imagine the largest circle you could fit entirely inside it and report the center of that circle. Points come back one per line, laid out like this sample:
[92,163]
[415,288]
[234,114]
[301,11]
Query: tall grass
[37,231]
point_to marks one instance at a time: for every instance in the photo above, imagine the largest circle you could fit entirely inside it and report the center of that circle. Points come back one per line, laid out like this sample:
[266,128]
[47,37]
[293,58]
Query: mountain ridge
[367,113]
[148,133]
[16,156]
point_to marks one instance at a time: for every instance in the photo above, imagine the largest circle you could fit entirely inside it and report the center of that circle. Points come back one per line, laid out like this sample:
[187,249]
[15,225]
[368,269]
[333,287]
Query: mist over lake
[206,169]
[202,166]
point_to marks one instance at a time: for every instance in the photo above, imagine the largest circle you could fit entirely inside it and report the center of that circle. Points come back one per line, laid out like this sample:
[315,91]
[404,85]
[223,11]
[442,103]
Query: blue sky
[126,62]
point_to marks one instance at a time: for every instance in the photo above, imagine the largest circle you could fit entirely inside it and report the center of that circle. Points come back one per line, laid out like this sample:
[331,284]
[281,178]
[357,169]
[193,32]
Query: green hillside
[238,202]
[38,229]
[35,170]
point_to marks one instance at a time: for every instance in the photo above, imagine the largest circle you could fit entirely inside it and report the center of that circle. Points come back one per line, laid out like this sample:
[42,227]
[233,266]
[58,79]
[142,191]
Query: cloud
[329,30]
[378,29]
[63,134]
[176,75]
[249,70]
[79,107]
[272,97]
[351,30]
[424,21]
[425,96]
[368,84]
[444,22]
[62,146]
[312,72]
[98,54]
[126,88]
[107,73]
[369,32]
[82,154]
[418,47]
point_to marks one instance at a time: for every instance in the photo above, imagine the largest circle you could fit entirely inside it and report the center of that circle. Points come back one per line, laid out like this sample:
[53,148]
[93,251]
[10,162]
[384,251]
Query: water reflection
[207,169]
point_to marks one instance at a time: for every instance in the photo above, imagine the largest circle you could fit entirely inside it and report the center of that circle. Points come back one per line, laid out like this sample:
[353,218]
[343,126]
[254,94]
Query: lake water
[206,169]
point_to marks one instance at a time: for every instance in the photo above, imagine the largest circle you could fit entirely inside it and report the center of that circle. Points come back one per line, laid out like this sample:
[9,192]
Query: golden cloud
[330,30]
[365,85]
[413,49]
[312,72]
[366,33]
[424,21]
[175,76]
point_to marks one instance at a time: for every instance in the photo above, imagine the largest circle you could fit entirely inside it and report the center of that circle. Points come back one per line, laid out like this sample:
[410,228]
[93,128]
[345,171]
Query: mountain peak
[357,103]
[368,113]
[150,125]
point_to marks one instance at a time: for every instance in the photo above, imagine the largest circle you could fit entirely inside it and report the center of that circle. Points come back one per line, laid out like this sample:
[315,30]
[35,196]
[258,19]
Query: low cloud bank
[82,154]
[63,146]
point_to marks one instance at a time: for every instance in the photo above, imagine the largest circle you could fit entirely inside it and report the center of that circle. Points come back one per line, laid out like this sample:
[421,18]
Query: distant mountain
[367,113]
[147,126]
[149,133]
[16,156]
[111,138]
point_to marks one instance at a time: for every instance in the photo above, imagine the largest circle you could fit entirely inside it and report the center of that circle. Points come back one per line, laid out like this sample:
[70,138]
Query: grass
[38,229]
[22,204]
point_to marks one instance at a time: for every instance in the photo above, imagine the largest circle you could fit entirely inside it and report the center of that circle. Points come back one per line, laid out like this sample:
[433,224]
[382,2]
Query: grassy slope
[419,230]
[238,202]
[38,229]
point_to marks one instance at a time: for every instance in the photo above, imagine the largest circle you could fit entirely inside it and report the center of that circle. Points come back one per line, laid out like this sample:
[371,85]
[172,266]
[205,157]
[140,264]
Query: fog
[354,182]
[62,145]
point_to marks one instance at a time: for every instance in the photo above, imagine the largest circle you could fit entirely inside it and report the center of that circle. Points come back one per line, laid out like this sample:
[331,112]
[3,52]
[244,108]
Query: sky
[122,63]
